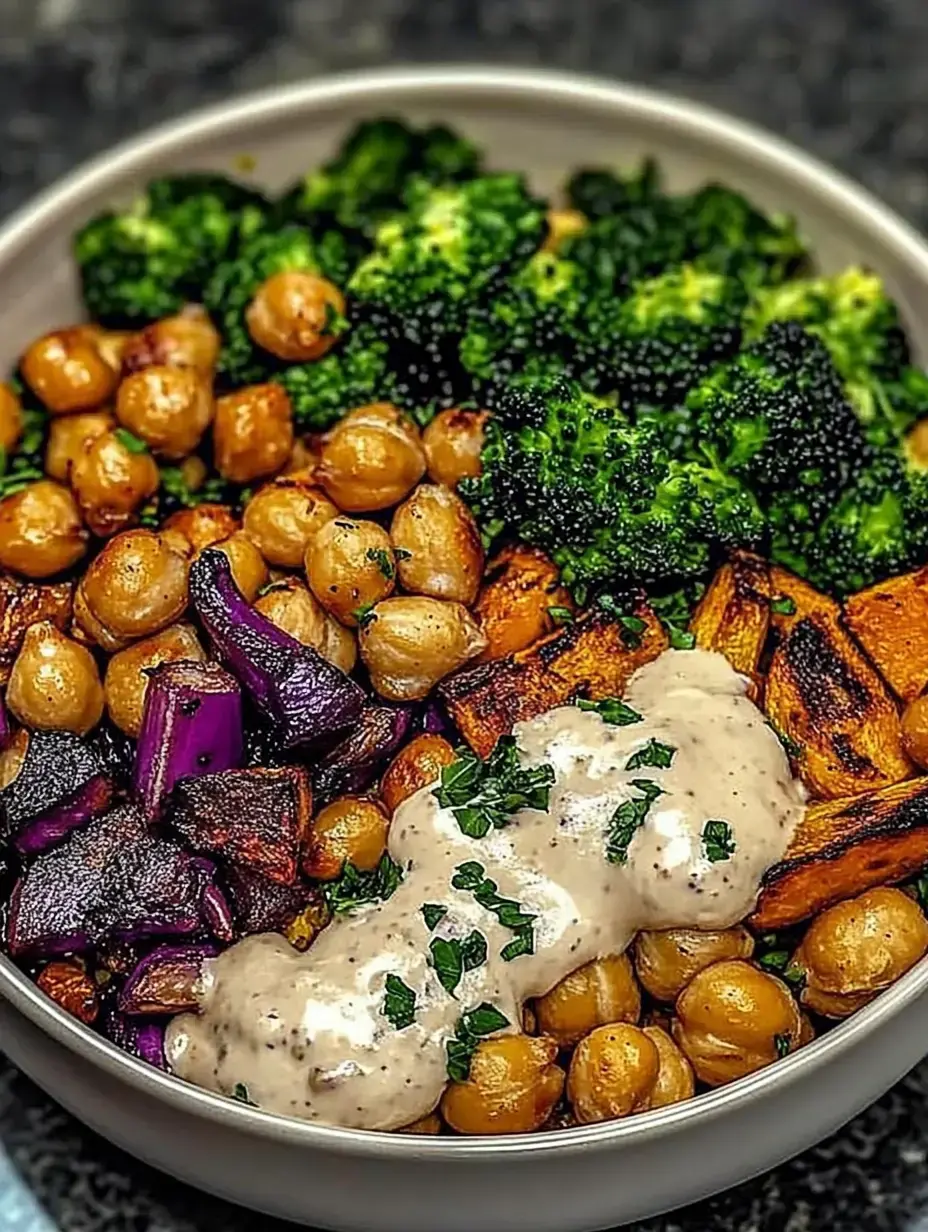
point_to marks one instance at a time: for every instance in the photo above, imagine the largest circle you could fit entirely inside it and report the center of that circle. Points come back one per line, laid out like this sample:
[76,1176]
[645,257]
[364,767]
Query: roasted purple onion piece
[305,698]
[261,905]
[165,981]
[192,724]
[144,1040]
[6,729]
[352,766]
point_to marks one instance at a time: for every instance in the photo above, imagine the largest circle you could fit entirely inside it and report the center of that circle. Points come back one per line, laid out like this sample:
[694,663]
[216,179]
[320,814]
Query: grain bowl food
[462,652]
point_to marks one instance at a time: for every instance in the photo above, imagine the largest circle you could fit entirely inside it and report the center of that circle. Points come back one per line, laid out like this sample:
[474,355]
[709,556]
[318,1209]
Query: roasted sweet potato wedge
[792,600]
[514,605]
[592,658]
[24,603]
[734,614]
[890,621]
[842,847]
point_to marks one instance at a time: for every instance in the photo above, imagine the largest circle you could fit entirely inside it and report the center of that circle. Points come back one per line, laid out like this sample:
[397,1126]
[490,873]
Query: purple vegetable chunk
[434,721]
[303,696]
[217,913]
[6,728]
[62,784]
[192,724]
[265,906]
[352,766]
[165,981]
[144,1040]
[114,879]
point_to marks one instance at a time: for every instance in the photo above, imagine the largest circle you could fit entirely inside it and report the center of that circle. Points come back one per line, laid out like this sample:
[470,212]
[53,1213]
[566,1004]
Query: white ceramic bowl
[575,1180]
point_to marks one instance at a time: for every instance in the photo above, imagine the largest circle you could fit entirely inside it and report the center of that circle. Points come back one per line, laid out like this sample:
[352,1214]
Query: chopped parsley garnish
[611,710]
[790,746]
[451,958]
[472,1026]
[652,754]
[783,605]
[472,876]
[240,1092]
[364,614]
[402,554]
[399,1003]
[680,639]
[523,943]
[483,795]
[783,1045]
[561,615]
[921,890]
[174,485]
[628,818]
[133,443]
[16,480]
[630,627]
[433,914]
[381,558]
[718,841]
[774,960]
[355,888]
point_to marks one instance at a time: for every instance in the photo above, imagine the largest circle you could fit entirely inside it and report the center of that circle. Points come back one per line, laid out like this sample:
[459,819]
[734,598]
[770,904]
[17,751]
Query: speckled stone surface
[844,77]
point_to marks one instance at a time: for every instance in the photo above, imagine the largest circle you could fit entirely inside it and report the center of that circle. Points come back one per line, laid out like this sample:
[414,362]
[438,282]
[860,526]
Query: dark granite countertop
[846,78]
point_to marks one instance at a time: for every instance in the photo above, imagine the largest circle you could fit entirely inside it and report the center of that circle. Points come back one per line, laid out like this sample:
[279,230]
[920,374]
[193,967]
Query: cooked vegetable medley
[464,655]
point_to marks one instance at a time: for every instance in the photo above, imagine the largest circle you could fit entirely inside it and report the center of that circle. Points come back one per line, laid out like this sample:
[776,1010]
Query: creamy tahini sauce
[306,1033]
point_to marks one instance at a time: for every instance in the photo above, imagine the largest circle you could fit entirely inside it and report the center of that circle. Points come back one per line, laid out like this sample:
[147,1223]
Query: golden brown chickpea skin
[168,408]
[54,685]
[252,433]
[203,525]
[292,608]
[350,566]
[563,224]
[438,547]
[66,371]
[113,477]
[667,960]
[351,830]
[733,1019]
[13,756]
[603,991]
[512,1087]
[11,417]
[414,767]
[339,645]
[915,730]
[613,1073]
[675,1079]
[452,444]
[295,315]
[134,587]
[409,643]
[430,1125]
[282,518]
[126,682]
[304,457]
[249,568]
[69,436]
[371,459]
[187,340]
[855,949]
[41,533]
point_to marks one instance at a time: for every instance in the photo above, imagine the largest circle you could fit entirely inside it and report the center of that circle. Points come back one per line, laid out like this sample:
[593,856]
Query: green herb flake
[783,605]
[133,443]
[433,914]
[472,1026]
[471,876]
[382,559]
[791,748]
[783,1045]
[16,480]
[451,958]
[921,890]
[483,795]
[611,711]
[652,754]
[774,960]
[355,888]
[561,615]
[524,943]
[240,1092]
[402,554]
[399,1003]
[628,818]
[718,841]
[365,615]
[680,639]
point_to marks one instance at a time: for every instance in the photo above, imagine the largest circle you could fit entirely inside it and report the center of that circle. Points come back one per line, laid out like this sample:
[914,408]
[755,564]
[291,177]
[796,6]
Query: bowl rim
[378,87]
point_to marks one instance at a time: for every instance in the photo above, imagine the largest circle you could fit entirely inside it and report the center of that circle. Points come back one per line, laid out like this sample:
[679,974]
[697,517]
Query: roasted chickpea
[253,432]
[414,767]
[54,684]
[512,1087]
[249,569]
[347,831]
[452,444]
[915,730]
[187,340]
[203,525]
[136,586]
[126,682]
[666,961]
[519,600]
[40,530]
[916,444]
[350,566]
[563,224]
[292,608]
[168,408]
[438,548]
[675,1080]
[112,479]
[733,1019]
[282,518]
[613,1073]
[66,371]
[410,643]
[430,1124]
[11,417]
[603,991]
[854,950]
[304,457]
[69,436]
[292,315]
[339,645]
[13,756]
[371,459]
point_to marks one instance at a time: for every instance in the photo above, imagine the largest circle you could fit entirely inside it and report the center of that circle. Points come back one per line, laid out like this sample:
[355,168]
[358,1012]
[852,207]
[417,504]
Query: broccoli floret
[567,470]
[598,192]
[236,280]
[355,373]
[147,261]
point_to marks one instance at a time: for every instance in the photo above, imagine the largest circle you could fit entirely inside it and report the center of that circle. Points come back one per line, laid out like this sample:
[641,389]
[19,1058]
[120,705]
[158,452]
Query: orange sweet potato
[514,606]
[890,621]
[842,847]
[594,657]
[734,614]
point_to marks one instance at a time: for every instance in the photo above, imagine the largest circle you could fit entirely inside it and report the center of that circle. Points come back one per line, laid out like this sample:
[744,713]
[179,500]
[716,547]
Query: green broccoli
[366,180]
[236,280]
[598,192]
[355,373]
[147,261]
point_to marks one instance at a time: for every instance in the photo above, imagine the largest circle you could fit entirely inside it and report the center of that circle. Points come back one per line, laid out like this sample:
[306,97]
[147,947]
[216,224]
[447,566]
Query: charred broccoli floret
[354,373]
[147,261]
[598,192]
